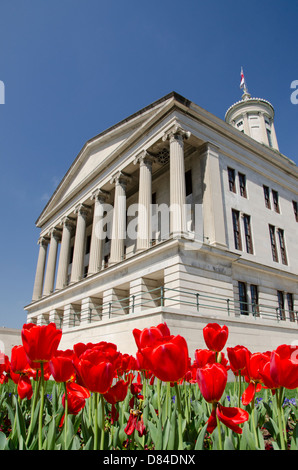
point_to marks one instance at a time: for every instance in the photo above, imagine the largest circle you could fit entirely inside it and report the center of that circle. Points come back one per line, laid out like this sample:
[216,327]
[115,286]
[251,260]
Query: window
[269,137]
[275,201]
[267,197]
[243,306]
[188,183]
[242,184]
[254,294]
[273,243]
[247,233]
[290,301]
[295,208]
[282,246]
[236,228]
[281,305]
[154,198]
[231,174]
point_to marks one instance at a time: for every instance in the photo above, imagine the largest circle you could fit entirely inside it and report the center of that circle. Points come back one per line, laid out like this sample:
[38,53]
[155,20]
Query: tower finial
[245,95]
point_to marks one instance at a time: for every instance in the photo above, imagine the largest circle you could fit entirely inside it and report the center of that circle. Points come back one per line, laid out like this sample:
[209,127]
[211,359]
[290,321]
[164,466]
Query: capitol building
[174,215]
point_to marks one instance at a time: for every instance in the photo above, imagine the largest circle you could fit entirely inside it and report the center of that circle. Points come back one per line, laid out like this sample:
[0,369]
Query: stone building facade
[174,215]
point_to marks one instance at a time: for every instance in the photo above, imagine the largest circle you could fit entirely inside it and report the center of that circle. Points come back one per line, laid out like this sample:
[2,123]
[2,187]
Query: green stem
[219,432]
[239,393]
[180,445]
[95,446]
[65,415]
[41,407]
[158,398]
[279,417]
[102,437]
[254,420]
[33,406]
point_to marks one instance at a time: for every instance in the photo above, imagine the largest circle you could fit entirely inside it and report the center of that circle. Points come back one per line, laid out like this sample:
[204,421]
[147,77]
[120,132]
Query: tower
[253,117]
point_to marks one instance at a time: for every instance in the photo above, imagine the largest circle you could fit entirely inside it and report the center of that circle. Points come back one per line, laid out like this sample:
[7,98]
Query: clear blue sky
[73,68]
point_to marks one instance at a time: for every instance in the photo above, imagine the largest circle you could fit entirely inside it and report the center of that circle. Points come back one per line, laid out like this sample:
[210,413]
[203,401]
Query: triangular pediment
[96,151]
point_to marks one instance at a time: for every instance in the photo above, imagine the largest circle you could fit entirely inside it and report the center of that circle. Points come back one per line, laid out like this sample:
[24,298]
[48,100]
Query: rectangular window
[242,185]
[267,197]
[269,137]
[281,305]
[275,201]
[295,208]
[273,243]
[254,294]
[232,185]
[282,246]
[243,306]
[188,183]
[247,232]
[236,228]
[290,300]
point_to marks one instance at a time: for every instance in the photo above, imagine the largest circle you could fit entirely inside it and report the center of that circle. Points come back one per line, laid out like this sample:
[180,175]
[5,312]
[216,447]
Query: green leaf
[200,439]
[228,444]
[294,441]
[3,441]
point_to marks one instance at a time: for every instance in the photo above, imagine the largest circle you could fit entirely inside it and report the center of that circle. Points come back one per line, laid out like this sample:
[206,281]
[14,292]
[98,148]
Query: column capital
[144,158]
[176,132]
[68,222]
[43,241]
[55,233]
[100,195]
[82,209]
[120,178]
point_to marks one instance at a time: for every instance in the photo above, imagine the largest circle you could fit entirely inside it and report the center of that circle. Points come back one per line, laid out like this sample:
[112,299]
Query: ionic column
[119,218]
[176,137]
[145,199]
[79,245]
[41,262]
[68,226]
[51,265]
[98,235]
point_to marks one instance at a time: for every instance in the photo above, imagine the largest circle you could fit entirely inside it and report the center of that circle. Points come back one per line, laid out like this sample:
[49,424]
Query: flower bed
[94,397]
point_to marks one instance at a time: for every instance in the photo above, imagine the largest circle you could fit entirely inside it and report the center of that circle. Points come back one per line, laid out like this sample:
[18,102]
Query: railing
[201,303]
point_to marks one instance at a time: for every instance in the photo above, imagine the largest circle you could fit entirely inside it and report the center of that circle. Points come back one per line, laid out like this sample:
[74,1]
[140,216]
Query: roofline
[172,95]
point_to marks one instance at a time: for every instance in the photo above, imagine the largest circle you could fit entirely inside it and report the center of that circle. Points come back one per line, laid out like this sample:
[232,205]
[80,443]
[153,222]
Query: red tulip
[24,387]
[95,370]
[254,368]
[168,358]
[148,336]
[61,366]
[76,398]
[40,342]
[135,421]
[238,357]
[117,393]
[284,366]
[18,360]
[229,416]
[215,336]
[204,356]
[212,380]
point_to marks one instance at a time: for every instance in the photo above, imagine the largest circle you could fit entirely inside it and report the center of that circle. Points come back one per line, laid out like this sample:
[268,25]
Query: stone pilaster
[98,235]
[51,264]
[119,218]
[213,205]
[79,245]
[68,227]
[176,137]
[40,269]
[144,235]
